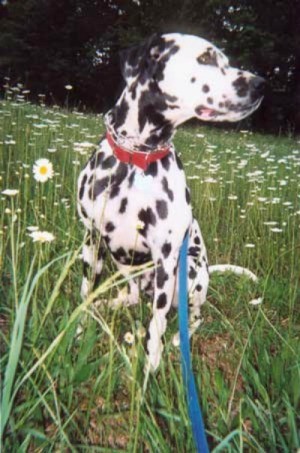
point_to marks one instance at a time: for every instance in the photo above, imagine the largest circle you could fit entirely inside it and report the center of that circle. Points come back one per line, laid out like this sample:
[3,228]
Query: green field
[64,392]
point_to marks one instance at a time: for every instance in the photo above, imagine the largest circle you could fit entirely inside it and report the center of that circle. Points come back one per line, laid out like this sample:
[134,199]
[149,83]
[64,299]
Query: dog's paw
[153,358]
[124,299]
[176,337]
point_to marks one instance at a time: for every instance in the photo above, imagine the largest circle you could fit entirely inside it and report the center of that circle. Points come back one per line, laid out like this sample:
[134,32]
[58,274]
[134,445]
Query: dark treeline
[48,44]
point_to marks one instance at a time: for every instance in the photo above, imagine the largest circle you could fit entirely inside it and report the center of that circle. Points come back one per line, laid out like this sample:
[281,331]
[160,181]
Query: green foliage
[63,391]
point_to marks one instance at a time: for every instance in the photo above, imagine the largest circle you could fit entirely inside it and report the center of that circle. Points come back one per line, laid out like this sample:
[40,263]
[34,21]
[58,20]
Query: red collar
[138,158]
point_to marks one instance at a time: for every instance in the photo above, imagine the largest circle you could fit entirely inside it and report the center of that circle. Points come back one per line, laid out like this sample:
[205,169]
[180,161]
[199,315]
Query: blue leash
[186,368]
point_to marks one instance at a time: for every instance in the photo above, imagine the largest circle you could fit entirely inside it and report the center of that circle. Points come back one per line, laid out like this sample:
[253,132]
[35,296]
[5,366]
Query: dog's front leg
[92,258]
[165,282]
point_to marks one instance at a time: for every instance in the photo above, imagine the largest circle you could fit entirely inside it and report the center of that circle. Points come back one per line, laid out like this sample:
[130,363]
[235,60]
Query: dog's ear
[142,61]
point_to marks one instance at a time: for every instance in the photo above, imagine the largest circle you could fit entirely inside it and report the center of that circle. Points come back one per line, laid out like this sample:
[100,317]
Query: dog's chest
[133,208]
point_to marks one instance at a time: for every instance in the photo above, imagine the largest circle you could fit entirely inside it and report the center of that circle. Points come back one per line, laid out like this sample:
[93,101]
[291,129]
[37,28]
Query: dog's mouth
[234,111]
[205,113]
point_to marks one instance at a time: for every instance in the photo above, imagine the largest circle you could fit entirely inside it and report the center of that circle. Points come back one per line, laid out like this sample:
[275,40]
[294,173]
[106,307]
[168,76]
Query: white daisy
[43,170]
[129,338]
[41,236]
[10,192]
[257,301]
[32,228]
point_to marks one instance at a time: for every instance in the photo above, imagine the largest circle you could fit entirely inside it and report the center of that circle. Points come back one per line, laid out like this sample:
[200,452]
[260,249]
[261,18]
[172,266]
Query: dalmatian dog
[132,194]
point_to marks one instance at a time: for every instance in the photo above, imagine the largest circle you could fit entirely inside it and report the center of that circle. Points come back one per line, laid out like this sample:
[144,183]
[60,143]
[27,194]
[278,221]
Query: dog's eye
[208,58]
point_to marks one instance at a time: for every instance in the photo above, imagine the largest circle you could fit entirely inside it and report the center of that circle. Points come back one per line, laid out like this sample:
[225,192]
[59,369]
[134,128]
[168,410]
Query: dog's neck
[143,119]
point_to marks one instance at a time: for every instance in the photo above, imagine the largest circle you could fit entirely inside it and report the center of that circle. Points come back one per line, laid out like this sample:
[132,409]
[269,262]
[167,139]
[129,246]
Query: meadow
[65,392]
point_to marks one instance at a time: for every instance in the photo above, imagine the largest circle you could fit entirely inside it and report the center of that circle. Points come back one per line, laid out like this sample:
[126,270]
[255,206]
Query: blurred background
[48,45]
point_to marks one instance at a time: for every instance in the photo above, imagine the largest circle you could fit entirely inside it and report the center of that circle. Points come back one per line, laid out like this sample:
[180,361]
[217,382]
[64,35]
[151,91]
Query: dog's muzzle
[257,88]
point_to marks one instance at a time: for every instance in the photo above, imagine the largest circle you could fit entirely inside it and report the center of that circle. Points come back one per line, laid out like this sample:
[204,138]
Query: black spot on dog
[152,169]
[97,280]
[179,163]
[161,275]
[119,254]
[148,217]
[123,205]
[205,88]
[209,57]
[192,273]
[166,249]
[136,258]
[131,179]
[194,251]
[120,174]
[131,257]
[114,192]
[210,101]
[119,114]
[109,227]
[197,240]
[96,159]
[101,252]
[98,187]
[166,189]
[107,239]
[165,161]
[82,187]
[161,301]
[241,86]
[83,212]
[161,64]
[109,162]
[151,106]
[187,195]
[86,268]
[198,287]
[162,209]
[147,338]
[118,178]
[193,79]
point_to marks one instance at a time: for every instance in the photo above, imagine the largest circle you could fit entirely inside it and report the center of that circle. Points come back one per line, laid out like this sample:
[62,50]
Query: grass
[60,392]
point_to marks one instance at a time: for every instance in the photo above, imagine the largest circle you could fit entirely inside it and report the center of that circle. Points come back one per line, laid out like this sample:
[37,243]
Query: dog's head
[192,78]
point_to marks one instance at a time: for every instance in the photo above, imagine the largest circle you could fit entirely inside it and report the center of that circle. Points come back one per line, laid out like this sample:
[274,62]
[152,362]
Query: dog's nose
[257,86]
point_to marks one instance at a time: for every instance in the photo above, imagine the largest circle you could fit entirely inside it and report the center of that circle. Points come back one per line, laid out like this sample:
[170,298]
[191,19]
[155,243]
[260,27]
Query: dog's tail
[232,268]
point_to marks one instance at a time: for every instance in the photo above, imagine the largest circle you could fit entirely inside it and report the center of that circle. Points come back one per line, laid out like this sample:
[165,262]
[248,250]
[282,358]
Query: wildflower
[68,87]
[141,332]
[129,338]
[276,230]
[43,170]
[257,301]
[249,246]
[32,228]
[140,225]
[10,192]
[210,180]
[270,223]
[41,236]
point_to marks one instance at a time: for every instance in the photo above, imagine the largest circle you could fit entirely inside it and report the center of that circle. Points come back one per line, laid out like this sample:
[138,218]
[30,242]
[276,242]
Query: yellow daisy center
[43,170]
